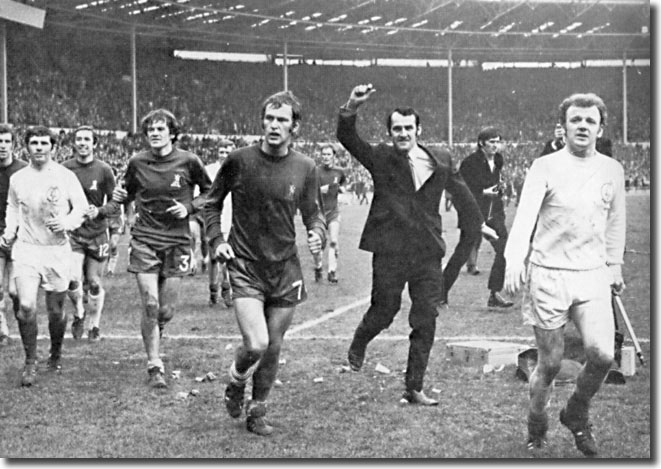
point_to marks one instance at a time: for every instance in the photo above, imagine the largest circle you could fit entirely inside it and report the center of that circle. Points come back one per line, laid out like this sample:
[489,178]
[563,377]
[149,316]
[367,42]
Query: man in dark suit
[481,171]
[404,232]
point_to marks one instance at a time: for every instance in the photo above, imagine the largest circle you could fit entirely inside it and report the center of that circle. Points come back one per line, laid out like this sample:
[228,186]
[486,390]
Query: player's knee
[600,358]
[548,368]
[151,309]
[257,345]
[165,312]
[26,312]
[95,288]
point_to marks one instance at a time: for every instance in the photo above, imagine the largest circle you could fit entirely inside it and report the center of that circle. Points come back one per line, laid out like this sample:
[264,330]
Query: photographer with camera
[481,171]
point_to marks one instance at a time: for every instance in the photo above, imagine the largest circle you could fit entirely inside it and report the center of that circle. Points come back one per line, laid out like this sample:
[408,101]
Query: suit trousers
[390,273]
[462,252]
[497,274]
[467,241]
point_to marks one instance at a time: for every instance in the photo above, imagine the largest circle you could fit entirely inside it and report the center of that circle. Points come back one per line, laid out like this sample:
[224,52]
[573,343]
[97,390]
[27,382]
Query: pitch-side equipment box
[477,353]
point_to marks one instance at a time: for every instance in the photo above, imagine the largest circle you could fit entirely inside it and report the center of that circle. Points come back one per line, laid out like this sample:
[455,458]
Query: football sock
[332,259]
[76,297]
[57,324]
[4,330]
[96,306]
[156,363]
[28,330]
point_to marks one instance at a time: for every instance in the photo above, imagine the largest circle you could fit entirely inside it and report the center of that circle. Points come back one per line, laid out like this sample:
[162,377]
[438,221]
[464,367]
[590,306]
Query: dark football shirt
[98,183]
[266,193]
[330,180]
[5,174]
[154,182]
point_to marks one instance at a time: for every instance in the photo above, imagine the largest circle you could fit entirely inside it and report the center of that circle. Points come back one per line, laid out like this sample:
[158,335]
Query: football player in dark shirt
[269,182]
[161,181]
[331,180]
[90,242]
[8,166]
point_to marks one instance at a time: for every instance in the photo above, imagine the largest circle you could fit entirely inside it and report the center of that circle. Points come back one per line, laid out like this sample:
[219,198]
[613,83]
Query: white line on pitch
[331,315]
[391,338]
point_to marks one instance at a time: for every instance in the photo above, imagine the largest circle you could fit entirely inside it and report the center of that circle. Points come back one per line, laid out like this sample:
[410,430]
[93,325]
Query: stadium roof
[351,29]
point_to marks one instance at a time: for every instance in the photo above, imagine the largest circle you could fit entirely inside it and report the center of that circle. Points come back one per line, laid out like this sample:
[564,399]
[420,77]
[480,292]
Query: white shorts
[551,297]
[51,264]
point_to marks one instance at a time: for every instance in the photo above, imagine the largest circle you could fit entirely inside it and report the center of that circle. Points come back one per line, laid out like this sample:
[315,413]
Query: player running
[576,200]
[161,181]
[331,180]
[90,243]
[269,182]
[45,202]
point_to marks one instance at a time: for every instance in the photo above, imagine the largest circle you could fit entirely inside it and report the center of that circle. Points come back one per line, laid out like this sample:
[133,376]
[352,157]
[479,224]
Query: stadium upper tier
[60,86]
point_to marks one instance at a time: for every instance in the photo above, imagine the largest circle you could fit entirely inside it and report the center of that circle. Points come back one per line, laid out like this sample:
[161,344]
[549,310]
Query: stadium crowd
[92,85]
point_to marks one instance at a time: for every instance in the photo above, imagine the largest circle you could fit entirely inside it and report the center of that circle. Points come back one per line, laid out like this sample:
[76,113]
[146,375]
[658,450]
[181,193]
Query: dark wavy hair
[404,111]
[39,131]
[162,115]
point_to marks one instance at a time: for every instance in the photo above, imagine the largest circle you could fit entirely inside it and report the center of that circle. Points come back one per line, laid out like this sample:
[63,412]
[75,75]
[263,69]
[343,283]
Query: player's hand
[617,281]
[514,277]
[92,212]
[56,225]
[314,242]
[359,95]
[491,191]
[178,210]
[224,252]
[4,244]
[488,232]
[119,194]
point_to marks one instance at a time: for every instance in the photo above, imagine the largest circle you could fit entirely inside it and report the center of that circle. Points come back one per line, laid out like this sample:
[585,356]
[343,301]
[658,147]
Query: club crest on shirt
[607,192]
[94,186]
[291,192]
[177,181]
[53,194]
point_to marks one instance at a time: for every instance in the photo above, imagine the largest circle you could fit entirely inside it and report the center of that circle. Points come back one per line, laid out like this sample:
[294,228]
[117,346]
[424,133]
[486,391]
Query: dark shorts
[5,253]
[278,284]
[98,248]
[332,215]
[173,261]
[198,217]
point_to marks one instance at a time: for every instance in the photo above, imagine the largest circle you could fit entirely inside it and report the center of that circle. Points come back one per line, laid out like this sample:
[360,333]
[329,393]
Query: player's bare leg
[252,323]
[28,289]
[278,321]
[550,350]
[57,324]
[148,284]
[97,294]
[333,249]
[75,294]
[597,331]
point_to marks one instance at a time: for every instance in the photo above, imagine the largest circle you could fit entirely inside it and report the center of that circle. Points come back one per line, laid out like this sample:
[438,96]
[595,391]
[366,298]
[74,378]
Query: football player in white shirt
[44,204]
[576,196]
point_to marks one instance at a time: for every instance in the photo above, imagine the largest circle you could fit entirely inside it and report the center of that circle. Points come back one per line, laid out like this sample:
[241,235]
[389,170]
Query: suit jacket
[478,176]
[401,219]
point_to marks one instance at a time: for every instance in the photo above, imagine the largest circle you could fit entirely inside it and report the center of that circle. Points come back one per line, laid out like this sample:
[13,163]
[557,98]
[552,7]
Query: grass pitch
[101,407]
